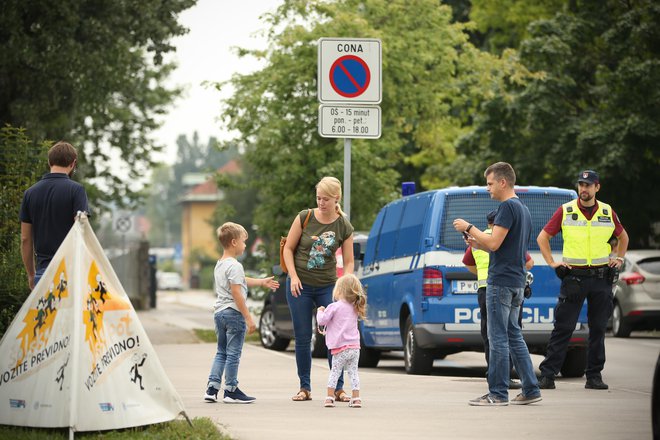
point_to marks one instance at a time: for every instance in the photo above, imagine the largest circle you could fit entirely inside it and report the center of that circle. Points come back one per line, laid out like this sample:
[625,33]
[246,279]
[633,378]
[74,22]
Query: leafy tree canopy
[503,23]
[91,72]
[596,105]
[433,79]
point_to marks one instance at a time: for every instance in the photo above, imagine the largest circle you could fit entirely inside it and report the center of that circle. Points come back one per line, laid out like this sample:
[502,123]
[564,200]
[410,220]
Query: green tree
[90,72]
[238,205]
[21,163]
[595,104]
[503,23]
[167,185]
[432,80]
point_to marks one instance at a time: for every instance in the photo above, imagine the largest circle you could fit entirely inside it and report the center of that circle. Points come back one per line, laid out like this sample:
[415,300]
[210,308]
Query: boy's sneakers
[237,396]
[488,400]
[211,394]
[522,400]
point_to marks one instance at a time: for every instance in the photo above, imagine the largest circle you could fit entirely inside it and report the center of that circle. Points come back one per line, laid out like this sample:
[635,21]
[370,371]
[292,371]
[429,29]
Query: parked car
[169,281]
[275,324]
[637,293]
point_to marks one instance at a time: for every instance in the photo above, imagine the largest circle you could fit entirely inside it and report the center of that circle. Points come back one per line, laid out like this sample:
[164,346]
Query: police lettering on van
[422,300]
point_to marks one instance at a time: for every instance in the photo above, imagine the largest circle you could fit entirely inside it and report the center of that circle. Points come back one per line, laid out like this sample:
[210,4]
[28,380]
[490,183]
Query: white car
[169,281]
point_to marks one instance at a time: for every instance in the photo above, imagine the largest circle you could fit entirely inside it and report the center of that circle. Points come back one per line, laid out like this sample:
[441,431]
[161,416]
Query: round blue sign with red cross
[350,76]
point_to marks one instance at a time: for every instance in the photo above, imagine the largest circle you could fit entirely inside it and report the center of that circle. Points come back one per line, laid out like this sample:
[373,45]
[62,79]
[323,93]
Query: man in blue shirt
[504,292]
[49,209]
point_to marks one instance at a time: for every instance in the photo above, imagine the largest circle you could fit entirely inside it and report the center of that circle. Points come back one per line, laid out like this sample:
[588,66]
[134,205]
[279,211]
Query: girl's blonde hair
[351,290]
[331,187]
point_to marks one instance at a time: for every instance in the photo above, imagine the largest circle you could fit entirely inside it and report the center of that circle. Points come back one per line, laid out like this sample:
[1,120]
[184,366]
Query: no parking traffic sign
[349,70]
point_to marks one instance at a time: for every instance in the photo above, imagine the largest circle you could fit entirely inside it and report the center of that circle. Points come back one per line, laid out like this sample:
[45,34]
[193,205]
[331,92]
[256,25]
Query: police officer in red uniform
[587,271]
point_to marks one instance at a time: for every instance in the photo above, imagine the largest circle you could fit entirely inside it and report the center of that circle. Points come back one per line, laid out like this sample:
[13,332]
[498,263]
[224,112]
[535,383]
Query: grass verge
[202,429]
[205,335]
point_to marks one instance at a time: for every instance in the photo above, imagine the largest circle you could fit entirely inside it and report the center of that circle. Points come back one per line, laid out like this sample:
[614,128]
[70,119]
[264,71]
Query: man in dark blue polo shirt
[49,209]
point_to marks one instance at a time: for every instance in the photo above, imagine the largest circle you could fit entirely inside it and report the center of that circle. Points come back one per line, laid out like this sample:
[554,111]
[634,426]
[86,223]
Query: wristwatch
[469,227]
[619,258]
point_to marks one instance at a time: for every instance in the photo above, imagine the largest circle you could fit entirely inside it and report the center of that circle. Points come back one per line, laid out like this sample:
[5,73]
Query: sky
[205,54]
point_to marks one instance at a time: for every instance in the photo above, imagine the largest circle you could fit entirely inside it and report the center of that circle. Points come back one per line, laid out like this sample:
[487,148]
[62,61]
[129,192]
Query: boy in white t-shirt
[231,314]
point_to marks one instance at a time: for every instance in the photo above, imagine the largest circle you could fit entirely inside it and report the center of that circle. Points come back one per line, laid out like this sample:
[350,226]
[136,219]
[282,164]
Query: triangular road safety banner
[76,354]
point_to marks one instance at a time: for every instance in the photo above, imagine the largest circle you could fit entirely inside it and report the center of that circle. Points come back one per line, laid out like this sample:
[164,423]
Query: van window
[541,206]
[389,231]
[473,207]
[372,243]
[412,224]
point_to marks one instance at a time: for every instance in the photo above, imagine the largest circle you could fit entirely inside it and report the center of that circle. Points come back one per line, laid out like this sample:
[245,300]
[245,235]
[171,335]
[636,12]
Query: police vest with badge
[586,242]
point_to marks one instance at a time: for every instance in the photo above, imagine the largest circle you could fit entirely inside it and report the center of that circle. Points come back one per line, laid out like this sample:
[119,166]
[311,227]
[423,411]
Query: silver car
[637,293]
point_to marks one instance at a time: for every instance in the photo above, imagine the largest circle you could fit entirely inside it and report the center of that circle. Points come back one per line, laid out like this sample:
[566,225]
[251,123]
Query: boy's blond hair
[230,231]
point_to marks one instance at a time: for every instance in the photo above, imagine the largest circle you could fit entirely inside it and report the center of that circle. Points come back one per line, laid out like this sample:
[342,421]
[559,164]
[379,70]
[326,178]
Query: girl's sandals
[355,402]
[329,402]
[302,395]
[341,396]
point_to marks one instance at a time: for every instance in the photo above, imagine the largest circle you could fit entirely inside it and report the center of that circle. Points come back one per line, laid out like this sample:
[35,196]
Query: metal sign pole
[347,177]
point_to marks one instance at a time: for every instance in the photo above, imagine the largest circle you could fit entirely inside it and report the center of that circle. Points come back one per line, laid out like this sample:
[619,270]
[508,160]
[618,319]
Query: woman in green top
[309,255]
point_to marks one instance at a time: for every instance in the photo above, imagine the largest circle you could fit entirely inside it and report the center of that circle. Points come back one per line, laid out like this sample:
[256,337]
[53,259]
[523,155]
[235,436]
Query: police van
[420,297]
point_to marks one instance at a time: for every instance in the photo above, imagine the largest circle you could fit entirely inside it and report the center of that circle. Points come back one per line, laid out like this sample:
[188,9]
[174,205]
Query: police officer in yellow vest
[587,272]
[476,261]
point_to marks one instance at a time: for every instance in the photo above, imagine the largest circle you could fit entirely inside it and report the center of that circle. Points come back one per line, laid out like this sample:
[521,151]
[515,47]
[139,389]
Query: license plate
[464,286]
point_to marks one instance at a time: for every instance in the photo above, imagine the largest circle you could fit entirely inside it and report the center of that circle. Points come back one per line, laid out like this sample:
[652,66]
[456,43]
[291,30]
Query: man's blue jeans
[230,329]
[301,308]
[38,274]
[505,337]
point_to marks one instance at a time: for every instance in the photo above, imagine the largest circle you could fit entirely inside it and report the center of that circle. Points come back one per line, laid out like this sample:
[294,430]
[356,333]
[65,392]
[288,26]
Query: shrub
[21,163]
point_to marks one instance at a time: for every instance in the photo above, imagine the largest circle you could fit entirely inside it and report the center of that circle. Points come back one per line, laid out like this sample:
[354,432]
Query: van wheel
[575,362]
[417,360]
[369,357]
[619,327]
[267,332]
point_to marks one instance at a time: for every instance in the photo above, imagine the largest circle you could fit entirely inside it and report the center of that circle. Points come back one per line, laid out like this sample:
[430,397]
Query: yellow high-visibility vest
[482,259]
[586,241]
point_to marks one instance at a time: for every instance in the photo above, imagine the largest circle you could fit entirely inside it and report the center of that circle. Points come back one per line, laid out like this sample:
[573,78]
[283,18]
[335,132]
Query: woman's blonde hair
[351,290]
[331,187]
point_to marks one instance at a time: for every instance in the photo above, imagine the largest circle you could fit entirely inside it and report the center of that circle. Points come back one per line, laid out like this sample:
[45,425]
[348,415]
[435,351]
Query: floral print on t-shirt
[321,248]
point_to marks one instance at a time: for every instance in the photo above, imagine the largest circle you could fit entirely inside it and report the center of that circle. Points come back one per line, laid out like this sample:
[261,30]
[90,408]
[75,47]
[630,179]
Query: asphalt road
[397,405]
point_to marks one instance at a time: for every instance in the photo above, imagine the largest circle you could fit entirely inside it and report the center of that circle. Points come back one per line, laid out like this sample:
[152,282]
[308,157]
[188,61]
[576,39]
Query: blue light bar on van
[407,188]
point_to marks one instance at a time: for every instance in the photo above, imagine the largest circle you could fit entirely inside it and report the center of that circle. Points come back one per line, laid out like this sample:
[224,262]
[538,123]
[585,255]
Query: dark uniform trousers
[574,290]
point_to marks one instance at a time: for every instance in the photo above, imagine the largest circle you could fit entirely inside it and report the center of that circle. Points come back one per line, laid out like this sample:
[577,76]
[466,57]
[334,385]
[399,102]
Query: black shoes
[596,383]
[593,383]
[547,383]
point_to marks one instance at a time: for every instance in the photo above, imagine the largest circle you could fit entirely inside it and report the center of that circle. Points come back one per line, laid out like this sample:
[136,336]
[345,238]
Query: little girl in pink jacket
[342,336]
